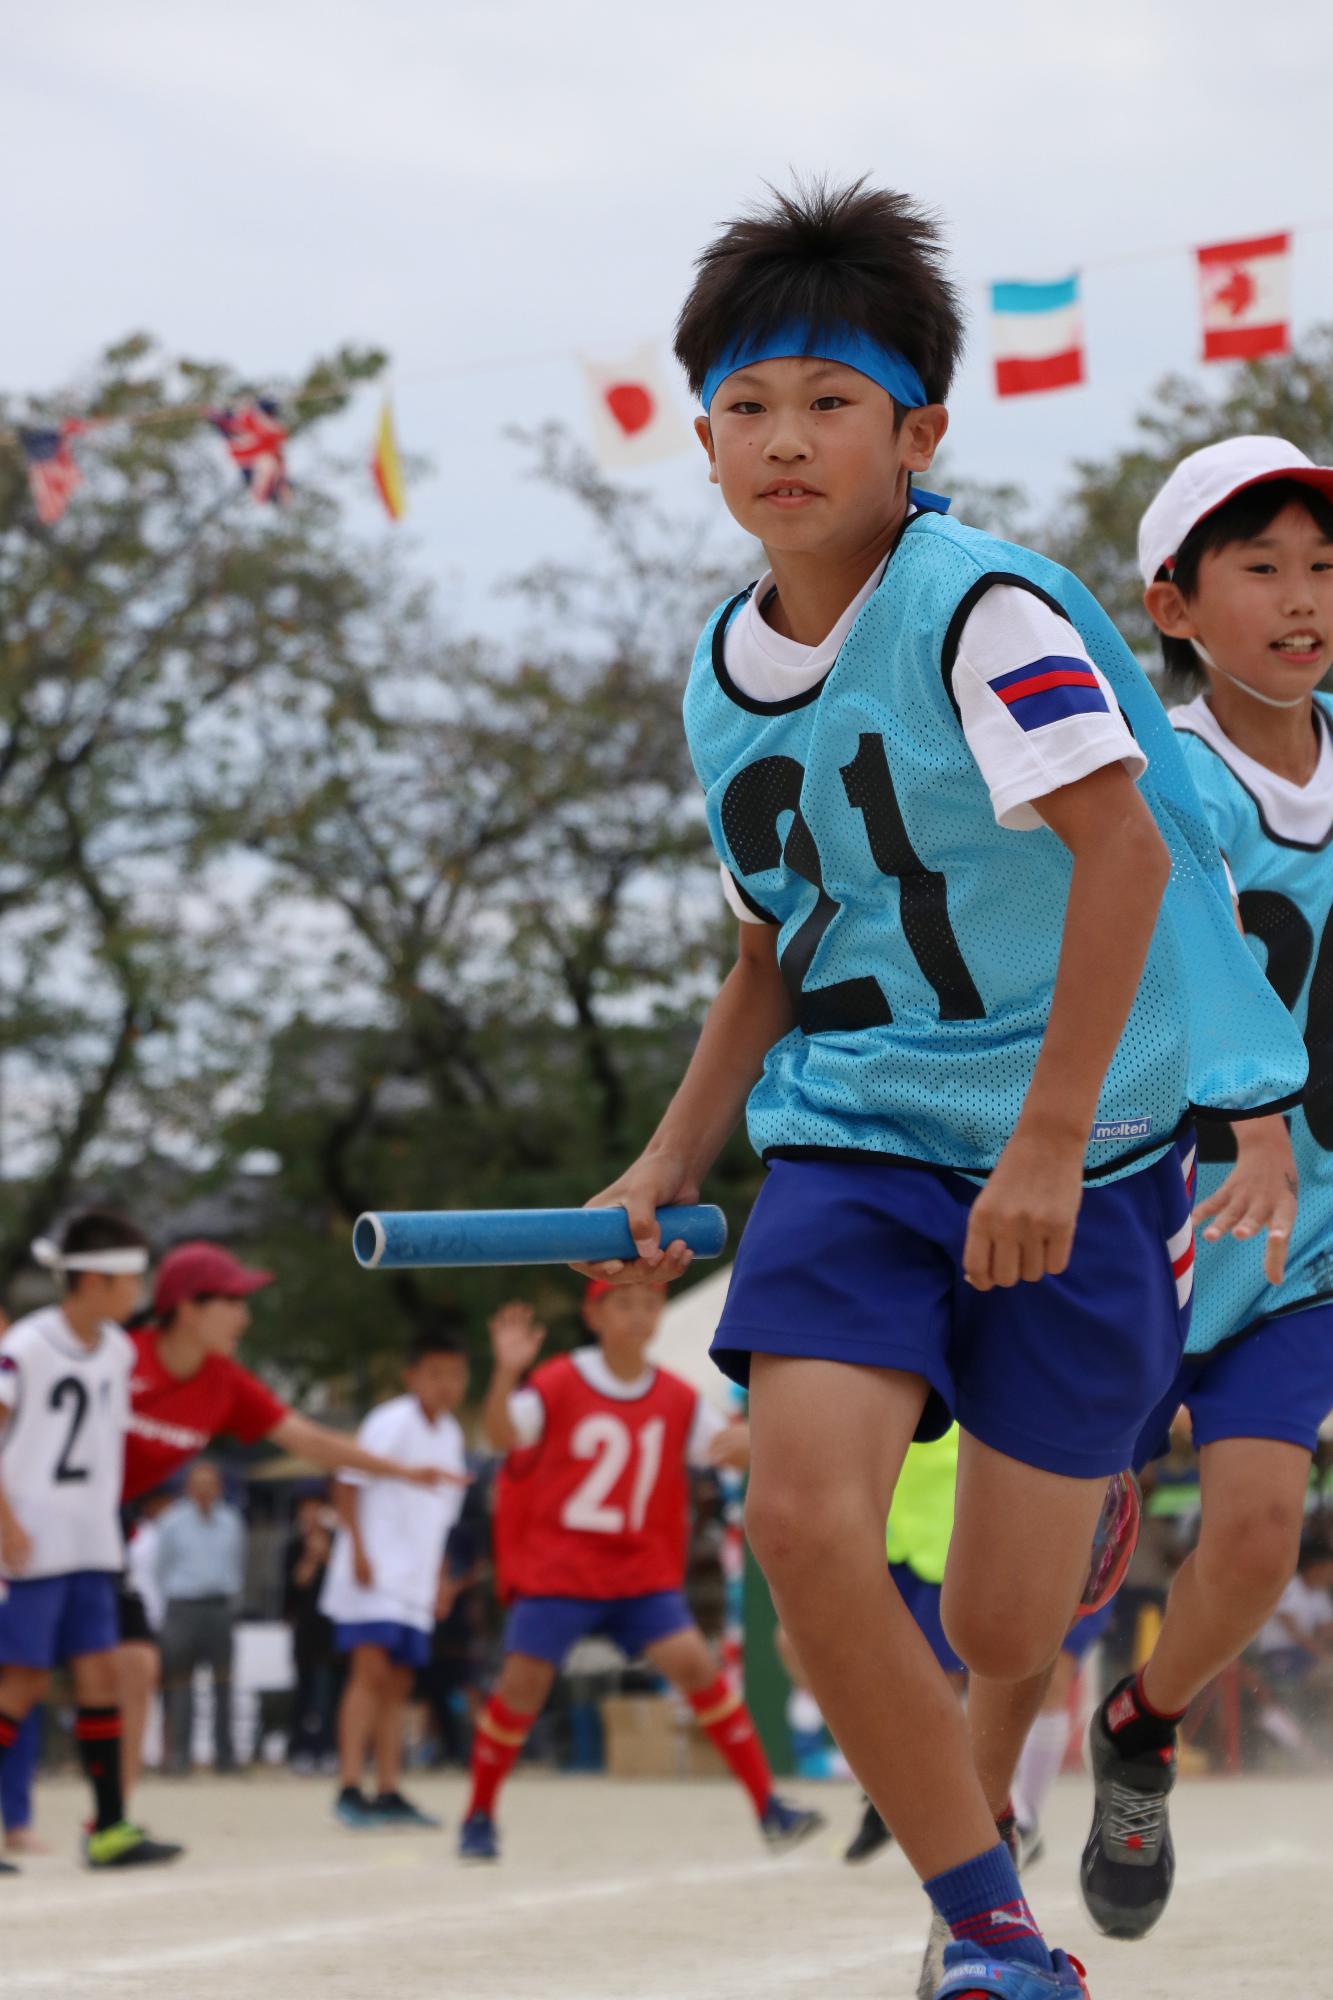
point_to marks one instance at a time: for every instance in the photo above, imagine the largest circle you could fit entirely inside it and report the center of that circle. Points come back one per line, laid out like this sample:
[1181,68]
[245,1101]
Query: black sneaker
[870,1836]
[8,1868]
[1129,1863]
[784,1825]
[127,1846]
[394,1810]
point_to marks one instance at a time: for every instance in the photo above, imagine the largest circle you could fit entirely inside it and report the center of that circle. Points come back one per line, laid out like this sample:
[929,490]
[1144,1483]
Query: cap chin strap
[1268,700]
[126,1263]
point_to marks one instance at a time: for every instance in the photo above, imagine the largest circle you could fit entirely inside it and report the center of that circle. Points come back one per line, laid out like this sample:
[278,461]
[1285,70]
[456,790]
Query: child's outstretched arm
[1022,1223]
[1260,1192]
[752,1011]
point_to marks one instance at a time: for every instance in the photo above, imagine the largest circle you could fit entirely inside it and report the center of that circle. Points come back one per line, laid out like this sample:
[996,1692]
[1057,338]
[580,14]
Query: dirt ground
[658,1891]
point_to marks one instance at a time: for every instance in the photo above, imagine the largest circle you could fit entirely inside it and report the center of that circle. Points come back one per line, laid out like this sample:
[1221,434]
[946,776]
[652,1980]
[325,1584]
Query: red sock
[727,1723]
[496,1742]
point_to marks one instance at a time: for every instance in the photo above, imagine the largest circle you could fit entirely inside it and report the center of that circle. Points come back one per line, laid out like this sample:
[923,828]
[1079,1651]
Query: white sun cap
[1203,481]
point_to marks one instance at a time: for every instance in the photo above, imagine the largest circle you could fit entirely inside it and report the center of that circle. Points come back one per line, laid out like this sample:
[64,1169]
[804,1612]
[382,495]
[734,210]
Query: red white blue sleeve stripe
[1049,689]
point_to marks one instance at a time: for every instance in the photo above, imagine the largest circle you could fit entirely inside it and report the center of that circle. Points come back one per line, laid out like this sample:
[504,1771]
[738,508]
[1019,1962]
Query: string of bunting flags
[1037,344]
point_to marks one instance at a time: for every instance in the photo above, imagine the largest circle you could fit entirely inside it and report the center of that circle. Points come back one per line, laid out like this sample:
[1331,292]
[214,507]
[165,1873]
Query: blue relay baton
[430,1239]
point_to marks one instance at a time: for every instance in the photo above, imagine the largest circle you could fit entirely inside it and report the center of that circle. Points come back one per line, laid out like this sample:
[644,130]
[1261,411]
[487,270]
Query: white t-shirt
[141,1571]
[1007,629]
[1294,812]
[527,1412]
[403,1528]
[1307,1608]
[62,1450]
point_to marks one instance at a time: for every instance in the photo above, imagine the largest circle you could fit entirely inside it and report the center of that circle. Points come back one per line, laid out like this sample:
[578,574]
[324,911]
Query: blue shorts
[923,1601]
[405,1645]
[1084,1633]
[861,1262]
[47,1620]
[545,1628]
[1275,1382]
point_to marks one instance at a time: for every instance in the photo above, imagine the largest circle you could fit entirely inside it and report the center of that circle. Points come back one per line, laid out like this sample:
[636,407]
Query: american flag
[52,474]
[255,438]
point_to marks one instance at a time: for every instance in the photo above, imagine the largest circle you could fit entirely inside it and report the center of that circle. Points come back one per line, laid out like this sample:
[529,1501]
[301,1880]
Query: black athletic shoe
[8,1868]
[784,1825]
[1129,1863]
[870,1836]
[394,1810]
[127,1846]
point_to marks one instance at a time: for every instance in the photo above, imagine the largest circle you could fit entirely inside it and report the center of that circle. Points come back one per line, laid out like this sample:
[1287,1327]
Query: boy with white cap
[1237,556]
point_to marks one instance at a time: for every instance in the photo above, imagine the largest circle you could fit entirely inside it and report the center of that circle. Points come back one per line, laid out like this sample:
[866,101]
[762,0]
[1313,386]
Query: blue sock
[983,1905]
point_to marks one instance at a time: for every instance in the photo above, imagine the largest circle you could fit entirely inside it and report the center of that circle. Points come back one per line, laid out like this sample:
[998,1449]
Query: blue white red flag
[53,475]
[1038,336]
[256,438]
[1049,689]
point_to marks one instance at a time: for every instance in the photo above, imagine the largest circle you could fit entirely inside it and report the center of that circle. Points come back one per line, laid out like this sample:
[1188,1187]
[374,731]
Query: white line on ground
[437,1917]
[441,1917]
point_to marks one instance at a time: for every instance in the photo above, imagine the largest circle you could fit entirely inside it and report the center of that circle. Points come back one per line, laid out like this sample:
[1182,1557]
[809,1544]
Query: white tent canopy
[683,1335]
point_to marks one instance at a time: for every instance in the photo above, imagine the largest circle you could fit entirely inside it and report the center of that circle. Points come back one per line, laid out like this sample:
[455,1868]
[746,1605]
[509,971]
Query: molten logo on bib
[1122,1128]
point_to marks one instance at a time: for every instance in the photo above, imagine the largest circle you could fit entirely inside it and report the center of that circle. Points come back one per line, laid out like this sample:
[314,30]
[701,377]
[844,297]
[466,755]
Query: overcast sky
[466,183]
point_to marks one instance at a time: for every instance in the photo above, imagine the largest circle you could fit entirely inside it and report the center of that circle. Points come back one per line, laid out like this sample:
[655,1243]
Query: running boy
[64,1401]
[386,1575]
[599,1442]
[962,1021]
[1237,556]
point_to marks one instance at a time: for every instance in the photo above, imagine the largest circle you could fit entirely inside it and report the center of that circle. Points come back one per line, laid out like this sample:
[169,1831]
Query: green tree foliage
[131,637]
[287,870]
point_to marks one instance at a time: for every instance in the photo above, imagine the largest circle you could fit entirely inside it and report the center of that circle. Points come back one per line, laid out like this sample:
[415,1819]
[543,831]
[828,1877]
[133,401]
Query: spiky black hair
[824,257]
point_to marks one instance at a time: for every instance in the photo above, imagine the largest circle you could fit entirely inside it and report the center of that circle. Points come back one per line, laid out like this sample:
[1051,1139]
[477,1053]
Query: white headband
[126,1263]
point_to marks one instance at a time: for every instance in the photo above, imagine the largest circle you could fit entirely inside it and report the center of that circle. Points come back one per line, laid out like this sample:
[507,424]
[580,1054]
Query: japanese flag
[635,419]
[1243,290]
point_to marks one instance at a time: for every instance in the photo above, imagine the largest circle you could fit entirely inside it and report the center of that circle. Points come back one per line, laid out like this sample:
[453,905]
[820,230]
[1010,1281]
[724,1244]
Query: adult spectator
[314,1654]
[1297,1642]
[200,1567]
[142,1609]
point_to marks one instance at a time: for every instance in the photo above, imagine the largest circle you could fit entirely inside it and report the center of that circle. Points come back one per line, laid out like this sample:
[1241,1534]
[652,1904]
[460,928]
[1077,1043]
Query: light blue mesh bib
[918,938]
[1286,899]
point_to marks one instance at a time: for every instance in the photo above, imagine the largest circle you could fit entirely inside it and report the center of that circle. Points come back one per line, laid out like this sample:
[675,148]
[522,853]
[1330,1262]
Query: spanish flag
[387,468]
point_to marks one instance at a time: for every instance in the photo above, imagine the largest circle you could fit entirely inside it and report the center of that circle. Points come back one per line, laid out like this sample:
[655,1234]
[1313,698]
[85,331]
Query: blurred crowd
[226,1555]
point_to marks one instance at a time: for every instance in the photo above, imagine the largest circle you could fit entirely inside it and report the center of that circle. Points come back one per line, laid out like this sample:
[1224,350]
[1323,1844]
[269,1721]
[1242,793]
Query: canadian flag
[1243,290]
[635,419]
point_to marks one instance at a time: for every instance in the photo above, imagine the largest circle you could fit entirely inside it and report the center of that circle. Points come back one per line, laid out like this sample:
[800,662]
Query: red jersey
[599,1506]
[172,1421]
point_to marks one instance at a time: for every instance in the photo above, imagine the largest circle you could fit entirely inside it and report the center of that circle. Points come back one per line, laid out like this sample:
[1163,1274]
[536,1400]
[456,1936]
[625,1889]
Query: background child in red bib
[592,1531]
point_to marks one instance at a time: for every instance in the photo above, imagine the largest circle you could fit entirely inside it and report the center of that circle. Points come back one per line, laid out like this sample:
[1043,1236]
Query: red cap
[196,1270]
[596,1287]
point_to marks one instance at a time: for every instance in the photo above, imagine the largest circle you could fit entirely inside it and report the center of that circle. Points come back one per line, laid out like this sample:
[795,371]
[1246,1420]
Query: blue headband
[847,344]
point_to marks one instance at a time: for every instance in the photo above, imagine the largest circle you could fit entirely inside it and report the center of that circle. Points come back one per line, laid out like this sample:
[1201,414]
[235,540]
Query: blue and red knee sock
[983,1905]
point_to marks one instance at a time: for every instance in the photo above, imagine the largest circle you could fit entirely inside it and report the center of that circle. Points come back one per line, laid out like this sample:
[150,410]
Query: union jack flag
[256,437]
[53,475]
